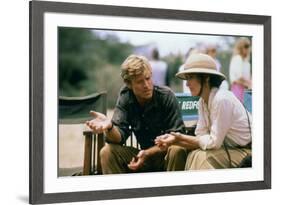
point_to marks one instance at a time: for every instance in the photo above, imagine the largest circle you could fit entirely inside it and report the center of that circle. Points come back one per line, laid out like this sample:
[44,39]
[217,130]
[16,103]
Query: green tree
[174,62]
[89,63]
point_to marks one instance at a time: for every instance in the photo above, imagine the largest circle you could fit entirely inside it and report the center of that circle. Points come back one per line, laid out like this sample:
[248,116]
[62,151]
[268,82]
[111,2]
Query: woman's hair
[240,44]
[134,65]
[214,80]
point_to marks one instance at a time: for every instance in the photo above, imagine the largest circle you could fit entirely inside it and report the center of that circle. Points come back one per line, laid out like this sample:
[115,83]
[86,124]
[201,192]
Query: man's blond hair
[134,65]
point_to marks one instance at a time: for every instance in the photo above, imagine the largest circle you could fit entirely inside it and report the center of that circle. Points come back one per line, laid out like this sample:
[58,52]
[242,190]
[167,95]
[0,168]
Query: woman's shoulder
[224,95]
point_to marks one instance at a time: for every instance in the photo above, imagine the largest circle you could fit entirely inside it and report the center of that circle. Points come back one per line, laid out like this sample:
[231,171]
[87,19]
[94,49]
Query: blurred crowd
[239,66]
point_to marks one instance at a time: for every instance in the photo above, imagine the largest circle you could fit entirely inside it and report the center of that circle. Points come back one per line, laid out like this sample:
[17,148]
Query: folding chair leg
[100,145]
[87,153]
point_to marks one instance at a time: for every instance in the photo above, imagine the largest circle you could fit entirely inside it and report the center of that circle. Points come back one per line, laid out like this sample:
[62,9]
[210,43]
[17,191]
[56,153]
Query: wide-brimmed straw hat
[199,63]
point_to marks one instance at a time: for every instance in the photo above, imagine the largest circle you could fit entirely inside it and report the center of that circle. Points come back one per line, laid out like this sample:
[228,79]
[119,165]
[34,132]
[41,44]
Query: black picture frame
[36,189]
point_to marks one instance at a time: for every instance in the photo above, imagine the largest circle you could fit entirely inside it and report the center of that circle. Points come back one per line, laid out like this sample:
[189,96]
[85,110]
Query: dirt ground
[71,147]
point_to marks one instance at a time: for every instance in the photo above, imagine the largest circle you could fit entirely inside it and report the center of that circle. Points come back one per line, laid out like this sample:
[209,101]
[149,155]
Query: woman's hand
[176,138]
[164,141]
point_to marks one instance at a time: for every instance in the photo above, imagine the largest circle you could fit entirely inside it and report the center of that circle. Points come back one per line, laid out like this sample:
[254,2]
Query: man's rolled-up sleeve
[121,121]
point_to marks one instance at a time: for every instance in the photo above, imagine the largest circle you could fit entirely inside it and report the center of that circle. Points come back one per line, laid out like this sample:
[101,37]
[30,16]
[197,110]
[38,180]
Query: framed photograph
[76,52]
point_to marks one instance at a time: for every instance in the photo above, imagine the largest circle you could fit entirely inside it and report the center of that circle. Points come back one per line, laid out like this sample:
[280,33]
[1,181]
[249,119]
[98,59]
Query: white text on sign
[189,105]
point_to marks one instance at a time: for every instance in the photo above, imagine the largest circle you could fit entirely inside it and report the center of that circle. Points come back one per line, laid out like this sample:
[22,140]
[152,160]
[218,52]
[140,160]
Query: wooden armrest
[87,132]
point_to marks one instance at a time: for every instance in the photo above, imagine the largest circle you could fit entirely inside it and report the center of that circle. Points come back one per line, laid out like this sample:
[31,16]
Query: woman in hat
[223,132]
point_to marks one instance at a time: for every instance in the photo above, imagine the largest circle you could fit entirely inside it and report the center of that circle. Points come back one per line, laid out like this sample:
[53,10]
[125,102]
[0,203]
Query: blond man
[146,110]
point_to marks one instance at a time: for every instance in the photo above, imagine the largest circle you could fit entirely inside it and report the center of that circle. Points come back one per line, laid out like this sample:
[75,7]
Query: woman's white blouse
[239,68]
[224,116]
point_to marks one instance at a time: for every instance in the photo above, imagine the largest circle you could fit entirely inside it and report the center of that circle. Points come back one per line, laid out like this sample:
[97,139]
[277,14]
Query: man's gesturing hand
[100,123]
[138,161]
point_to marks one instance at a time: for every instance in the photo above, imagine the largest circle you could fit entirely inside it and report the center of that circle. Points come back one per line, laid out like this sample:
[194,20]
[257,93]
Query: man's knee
[175,158]
[108,150]
[175,151]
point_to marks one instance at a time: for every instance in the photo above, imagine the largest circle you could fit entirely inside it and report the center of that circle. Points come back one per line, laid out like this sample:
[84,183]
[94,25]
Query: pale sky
[166,42]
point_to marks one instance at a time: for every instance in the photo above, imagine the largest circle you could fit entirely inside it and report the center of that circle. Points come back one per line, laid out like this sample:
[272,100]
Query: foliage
[89,63]
[174,62]
[224,58]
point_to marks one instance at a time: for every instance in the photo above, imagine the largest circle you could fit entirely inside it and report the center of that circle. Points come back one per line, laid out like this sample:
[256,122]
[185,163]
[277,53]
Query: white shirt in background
[239,68]
[159,72]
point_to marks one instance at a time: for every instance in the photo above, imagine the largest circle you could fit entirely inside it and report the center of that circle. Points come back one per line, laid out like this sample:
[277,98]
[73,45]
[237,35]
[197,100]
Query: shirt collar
[211,97]
[149,105]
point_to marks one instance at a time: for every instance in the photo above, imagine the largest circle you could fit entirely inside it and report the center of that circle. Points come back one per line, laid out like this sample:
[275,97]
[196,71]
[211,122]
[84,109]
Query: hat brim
[182,74]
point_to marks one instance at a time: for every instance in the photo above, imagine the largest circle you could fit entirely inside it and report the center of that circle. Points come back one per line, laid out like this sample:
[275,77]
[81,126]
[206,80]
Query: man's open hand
[100,123]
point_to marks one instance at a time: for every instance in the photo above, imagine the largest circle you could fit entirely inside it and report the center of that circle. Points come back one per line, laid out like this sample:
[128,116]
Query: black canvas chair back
[75,110]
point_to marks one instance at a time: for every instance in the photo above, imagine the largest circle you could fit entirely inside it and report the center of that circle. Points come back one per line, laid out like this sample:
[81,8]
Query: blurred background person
[160,75]
[240,68]
[211,50]
[191,50]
